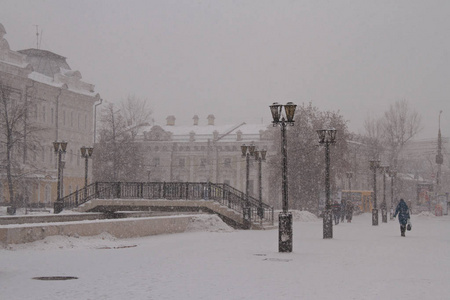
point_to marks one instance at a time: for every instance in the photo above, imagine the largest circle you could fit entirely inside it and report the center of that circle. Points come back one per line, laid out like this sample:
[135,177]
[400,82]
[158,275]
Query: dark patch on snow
[55,278]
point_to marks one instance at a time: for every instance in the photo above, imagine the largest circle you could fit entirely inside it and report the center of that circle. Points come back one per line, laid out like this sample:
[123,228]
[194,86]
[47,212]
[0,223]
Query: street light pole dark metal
[374,165]
[327,137]
[349,176]
[86,153]
[392,174]
[384,169]
[247,151]
[285,217]
[60,148]
[260,159]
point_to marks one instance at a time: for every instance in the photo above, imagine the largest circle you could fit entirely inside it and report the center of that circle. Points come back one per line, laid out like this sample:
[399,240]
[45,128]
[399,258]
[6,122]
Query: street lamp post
[86,153]
[260,159]
[327,137]
[285,217]
[247,151]
[349,176]
[392,174]
[384,169]
[60,148]
[374,165]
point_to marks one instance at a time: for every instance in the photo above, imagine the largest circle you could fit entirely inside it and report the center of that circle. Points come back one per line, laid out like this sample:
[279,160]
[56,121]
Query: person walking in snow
[349,211]
[402,211]
[336,212]
[343,210]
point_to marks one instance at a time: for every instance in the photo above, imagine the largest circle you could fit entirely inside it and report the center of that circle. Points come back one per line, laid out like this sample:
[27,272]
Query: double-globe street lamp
[285,217]
[374,165]
[86,153]
[327,137]
[392,174]
[384,170]
[260,156]
[60,149]
[349,198]
[247,151]
[349,176]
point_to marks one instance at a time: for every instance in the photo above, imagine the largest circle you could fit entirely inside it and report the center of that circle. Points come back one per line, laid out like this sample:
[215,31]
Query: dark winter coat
[403,212]
[349,209]
[336,209]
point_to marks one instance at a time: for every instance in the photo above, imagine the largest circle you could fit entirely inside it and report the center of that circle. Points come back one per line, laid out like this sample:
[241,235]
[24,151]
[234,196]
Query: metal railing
[222,193]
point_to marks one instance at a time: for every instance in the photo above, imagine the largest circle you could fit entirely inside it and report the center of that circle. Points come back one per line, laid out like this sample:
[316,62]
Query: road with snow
[213,261]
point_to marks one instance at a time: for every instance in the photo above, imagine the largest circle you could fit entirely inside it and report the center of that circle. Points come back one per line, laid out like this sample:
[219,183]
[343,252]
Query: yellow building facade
[62,106]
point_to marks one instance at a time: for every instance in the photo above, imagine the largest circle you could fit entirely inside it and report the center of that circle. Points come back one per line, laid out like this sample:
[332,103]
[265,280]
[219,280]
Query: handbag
[409,226]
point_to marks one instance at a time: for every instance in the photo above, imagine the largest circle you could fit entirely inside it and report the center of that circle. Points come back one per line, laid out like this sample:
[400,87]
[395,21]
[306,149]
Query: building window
[71,156]
[79,116]
[85,121]
[34,149]
[48,194]
[156,161]
[227,162]
[64,118]
[71,119]
[43,114]
[51,155]
[52,112]
[78,160]
[202,162]
[182,162]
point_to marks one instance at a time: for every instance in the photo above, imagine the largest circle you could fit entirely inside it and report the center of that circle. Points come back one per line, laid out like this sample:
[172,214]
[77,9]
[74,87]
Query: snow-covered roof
[208,132]
[45,62]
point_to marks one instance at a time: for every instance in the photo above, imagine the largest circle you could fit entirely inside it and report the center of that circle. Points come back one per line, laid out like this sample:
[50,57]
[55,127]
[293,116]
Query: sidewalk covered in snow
[213,261]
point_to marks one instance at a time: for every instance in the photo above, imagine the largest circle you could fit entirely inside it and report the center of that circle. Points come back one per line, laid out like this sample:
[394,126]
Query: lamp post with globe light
[86,153]
[260,159]
[374,165]
[384,170]
[60,149]
[327,137]
[247,151]
[285,217]
[392,174]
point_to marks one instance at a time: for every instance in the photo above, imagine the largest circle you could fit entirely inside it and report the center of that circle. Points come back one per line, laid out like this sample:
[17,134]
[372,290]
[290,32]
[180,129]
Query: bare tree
[117,157]
[17,136]
[136,113]
[400,124]
[374,137]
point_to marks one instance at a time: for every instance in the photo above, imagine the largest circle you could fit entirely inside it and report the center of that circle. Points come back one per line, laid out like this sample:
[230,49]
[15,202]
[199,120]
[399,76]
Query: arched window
[48,194]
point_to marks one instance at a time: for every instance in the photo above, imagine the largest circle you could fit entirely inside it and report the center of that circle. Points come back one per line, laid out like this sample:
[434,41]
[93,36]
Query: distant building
[62,105]
[206,152]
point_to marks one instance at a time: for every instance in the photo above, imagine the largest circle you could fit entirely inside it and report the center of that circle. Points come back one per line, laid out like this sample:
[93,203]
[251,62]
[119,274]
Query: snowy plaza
[214,261]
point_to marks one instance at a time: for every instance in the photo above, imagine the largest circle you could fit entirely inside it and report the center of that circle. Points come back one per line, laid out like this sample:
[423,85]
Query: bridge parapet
[252,210]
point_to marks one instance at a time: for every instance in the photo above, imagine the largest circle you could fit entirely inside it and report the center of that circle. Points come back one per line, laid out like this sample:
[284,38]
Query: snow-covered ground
[213,261]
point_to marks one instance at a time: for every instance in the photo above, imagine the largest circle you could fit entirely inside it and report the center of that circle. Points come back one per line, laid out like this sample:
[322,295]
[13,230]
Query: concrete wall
[6,220]
[122,228]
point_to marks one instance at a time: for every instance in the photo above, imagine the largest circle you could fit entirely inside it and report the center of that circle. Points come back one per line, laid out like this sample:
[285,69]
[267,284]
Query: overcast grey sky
[234,58]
